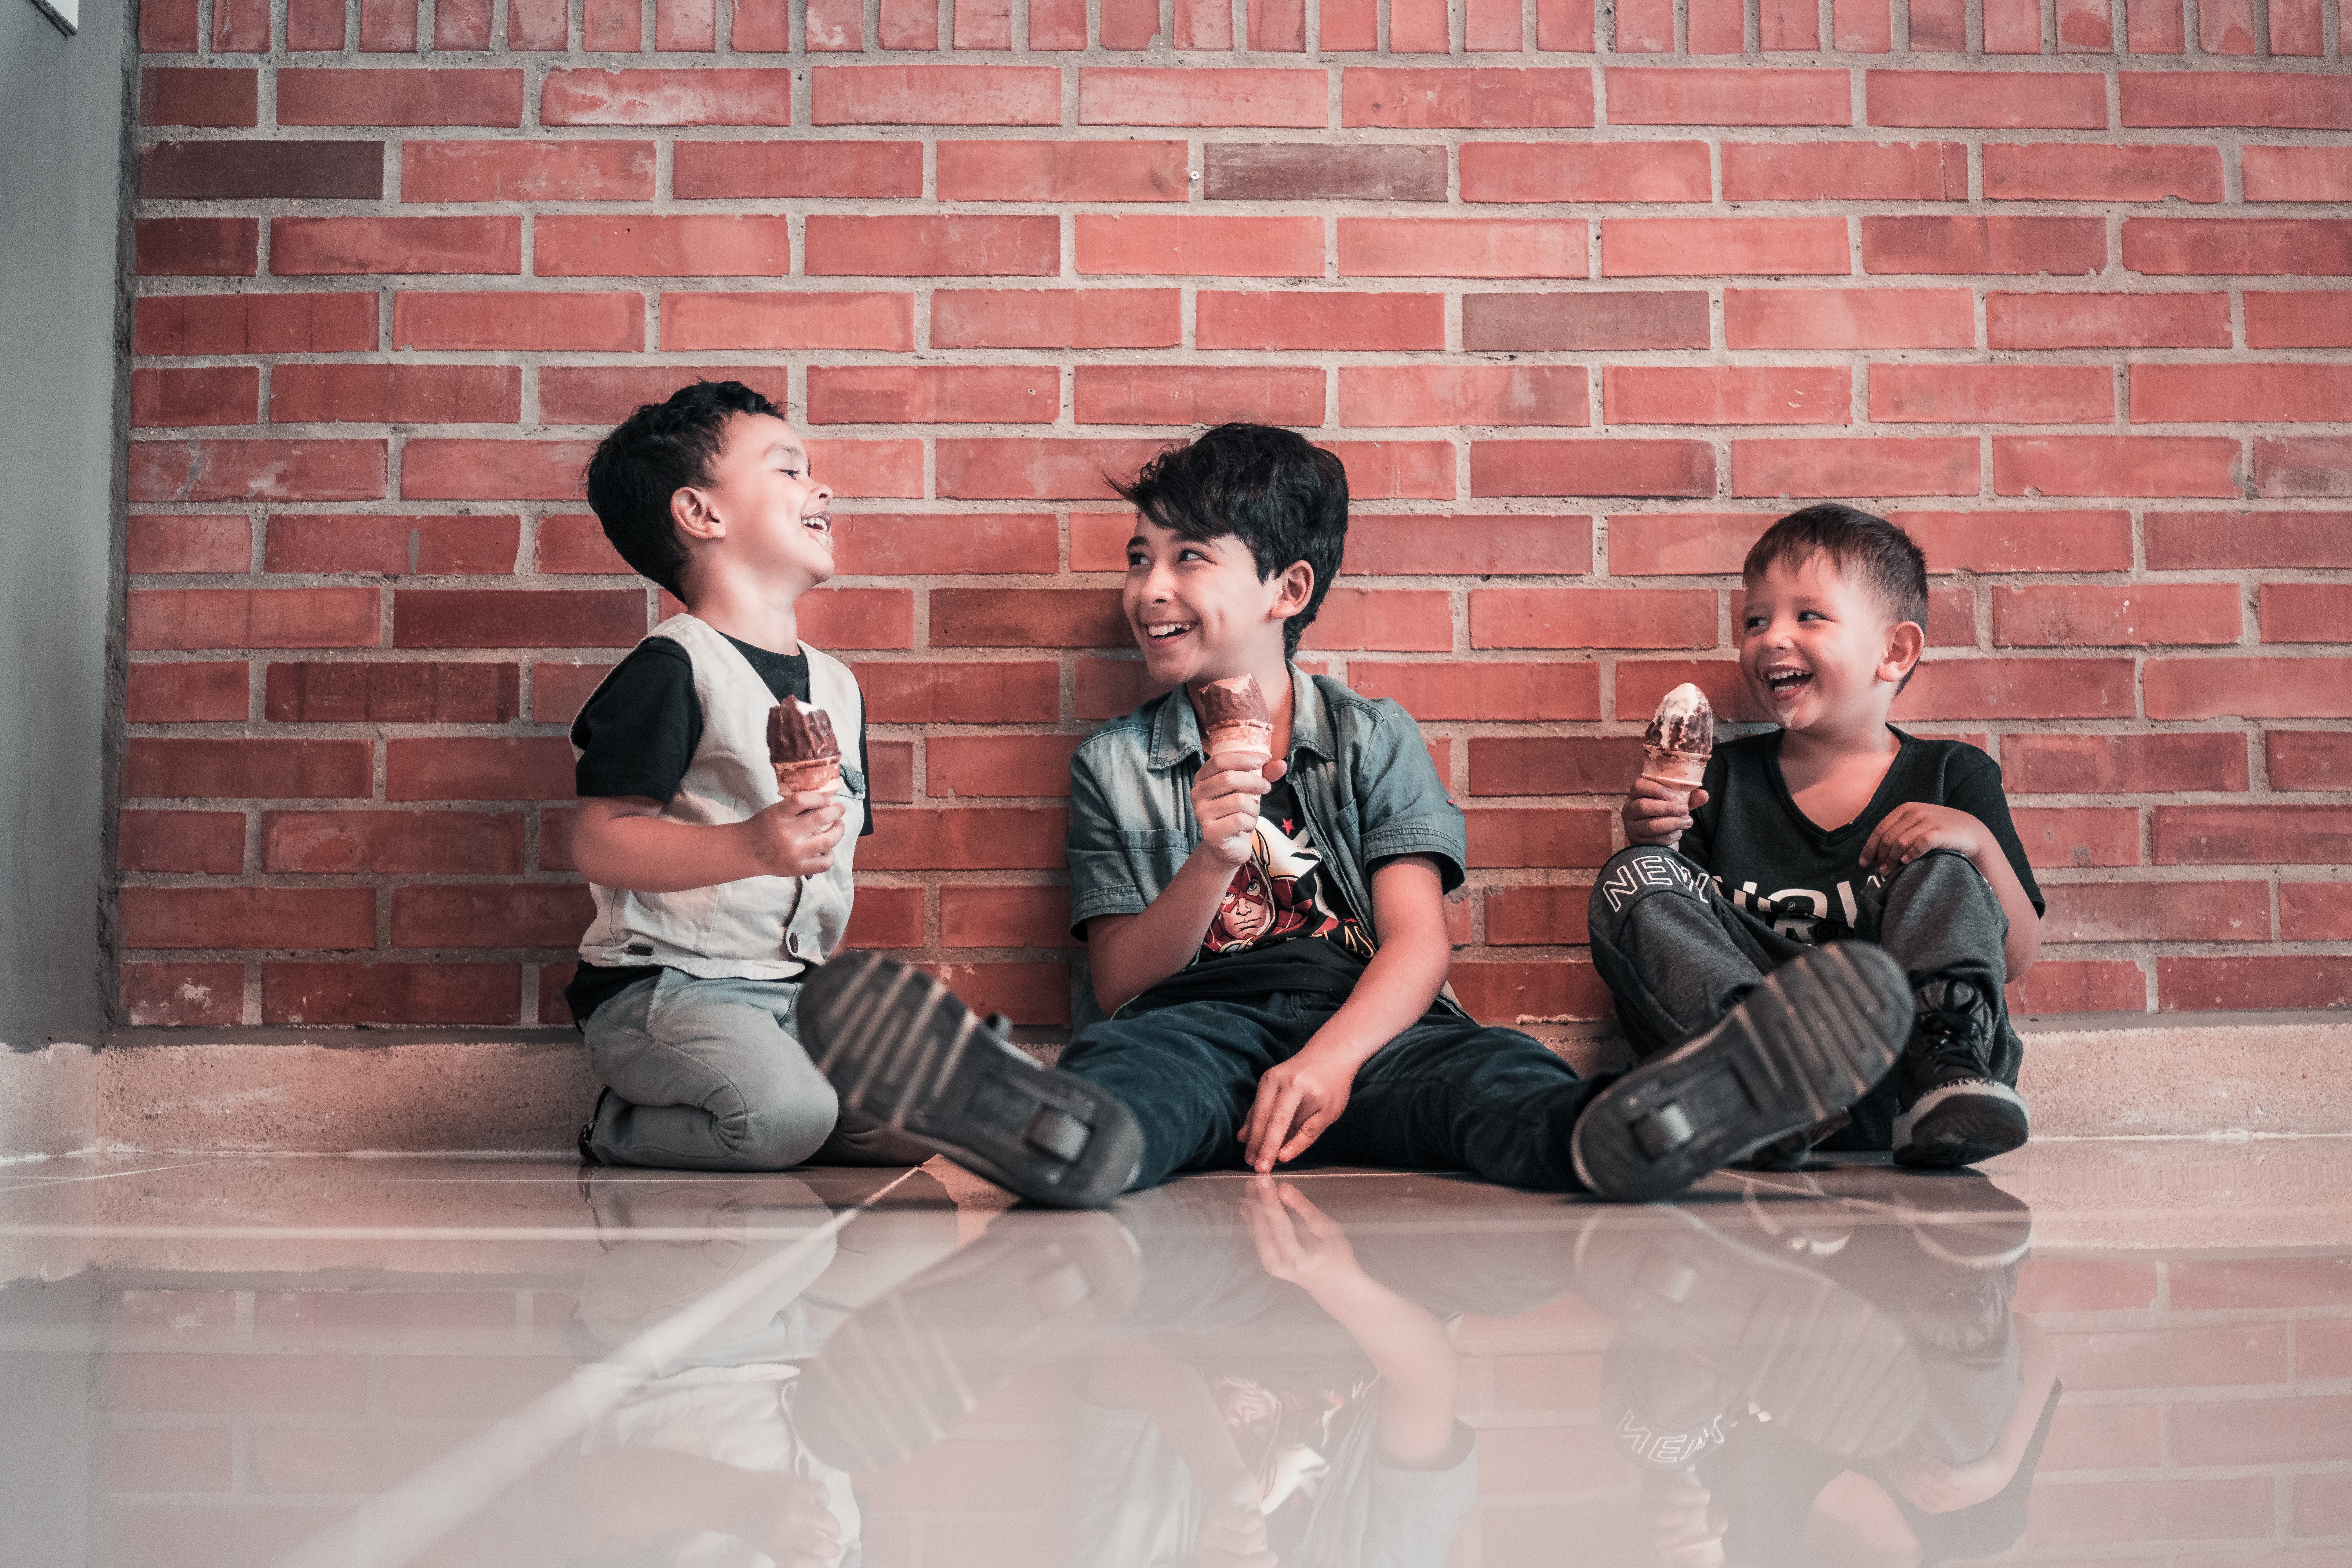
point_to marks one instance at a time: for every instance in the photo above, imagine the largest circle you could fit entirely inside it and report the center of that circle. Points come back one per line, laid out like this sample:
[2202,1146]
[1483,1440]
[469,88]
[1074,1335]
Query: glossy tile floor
[2135,1352]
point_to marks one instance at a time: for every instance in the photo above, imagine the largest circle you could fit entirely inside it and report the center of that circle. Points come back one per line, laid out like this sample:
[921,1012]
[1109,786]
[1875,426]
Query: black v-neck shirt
[1768,858]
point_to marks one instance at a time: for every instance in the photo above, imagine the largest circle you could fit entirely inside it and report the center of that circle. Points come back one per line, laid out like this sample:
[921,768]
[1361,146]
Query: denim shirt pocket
[1155,856]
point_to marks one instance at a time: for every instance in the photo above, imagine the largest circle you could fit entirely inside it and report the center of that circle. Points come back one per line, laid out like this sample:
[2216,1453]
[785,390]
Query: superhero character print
[1271,897]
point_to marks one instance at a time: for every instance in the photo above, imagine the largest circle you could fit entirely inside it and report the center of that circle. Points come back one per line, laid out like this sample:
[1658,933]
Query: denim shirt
[1360,768]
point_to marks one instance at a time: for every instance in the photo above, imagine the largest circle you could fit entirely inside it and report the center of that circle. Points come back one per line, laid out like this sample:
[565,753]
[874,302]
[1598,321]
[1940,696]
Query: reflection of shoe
[1808,1041]
[1953,1108]
[1817,1360]
[899,1046]
[1961,1217]
[1818,1228]
[905,1369]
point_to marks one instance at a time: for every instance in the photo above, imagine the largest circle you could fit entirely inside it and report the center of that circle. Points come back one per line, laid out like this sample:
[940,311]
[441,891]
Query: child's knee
[783,1124]
[1633,874]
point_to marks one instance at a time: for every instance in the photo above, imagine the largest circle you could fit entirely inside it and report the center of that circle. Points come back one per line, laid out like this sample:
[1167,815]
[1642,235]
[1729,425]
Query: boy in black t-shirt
[1835,825]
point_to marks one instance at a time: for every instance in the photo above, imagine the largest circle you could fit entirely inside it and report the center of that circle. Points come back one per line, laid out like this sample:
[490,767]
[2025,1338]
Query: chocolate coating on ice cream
[1684,723]
[798,733]
[1234,702]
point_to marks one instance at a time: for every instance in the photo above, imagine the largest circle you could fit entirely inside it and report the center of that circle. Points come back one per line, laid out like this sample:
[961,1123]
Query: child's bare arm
[623,841]
[1651,816]
[1129,954]
[1913,828]
[1299,1099]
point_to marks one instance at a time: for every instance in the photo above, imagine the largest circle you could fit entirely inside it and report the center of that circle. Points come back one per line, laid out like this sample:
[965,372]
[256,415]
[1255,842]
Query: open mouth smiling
[1786,682]
[1167,630]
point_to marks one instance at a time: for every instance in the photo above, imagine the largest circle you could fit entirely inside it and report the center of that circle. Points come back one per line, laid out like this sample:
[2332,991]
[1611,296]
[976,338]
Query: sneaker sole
[897,1045]
[1811,1038]
[1962,1124]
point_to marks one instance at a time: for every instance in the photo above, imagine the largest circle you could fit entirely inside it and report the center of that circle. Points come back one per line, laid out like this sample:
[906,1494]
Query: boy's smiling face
[775,519]
[1818,650]
[1198,609]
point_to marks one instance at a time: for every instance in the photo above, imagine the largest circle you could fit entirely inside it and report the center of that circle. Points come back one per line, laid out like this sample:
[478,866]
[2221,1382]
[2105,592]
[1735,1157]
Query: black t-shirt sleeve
[1972,784]
[638,732]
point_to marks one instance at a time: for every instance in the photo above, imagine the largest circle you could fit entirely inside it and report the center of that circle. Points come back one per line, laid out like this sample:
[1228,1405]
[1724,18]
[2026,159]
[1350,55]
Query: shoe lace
[1953,1026]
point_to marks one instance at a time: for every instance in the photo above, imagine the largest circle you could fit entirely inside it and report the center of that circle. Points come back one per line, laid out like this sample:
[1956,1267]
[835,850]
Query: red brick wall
[2067,298]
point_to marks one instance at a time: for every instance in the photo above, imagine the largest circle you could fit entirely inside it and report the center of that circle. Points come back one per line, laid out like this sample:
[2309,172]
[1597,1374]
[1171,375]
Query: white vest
[759,928]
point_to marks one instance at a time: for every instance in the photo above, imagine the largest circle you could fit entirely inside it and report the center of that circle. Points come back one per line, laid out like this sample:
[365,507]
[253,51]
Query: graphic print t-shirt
[1766,857]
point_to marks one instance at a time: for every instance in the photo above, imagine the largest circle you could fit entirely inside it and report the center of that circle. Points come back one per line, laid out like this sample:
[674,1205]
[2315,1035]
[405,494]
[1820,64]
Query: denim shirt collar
[1176,732]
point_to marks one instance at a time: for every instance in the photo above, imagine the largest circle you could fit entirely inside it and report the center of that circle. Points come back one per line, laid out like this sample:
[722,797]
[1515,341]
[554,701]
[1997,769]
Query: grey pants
[1677,955]
[707,1074]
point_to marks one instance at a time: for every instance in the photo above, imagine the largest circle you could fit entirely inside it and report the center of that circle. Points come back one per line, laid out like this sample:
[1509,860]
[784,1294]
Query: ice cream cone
[797,778]
[1680,771]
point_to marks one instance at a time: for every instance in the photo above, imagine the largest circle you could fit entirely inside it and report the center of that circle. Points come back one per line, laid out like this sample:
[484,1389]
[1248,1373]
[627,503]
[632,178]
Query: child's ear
[690,509]
[1297,586]
[1906,641]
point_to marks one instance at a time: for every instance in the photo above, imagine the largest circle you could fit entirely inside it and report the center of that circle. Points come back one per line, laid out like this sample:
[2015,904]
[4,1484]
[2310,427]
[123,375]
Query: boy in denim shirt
[1270,941]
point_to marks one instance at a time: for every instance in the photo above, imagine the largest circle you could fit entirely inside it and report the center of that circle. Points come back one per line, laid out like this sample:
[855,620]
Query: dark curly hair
[1873,551]
[651,455]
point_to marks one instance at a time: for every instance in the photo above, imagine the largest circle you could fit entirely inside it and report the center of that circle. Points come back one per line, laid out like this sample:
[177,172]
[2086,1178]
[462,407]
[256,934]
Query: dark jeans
[1678,955]
[1446,1095]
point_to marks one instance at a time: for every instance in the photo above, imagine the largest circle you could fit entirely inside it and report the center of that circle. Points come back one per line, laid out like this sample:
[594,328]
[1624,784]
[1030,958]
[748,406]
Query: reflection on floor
[2126,1352]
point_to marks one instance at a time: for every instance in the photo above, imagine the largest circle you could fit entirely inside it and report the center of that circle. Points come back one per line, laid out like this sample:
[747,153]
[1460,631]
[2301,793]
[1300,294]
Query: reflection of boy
[1833,825]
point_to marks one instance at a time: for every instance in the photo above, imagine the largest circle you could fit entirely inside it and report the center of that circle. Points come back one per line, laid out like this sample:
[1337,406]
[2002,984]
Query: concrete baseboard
[2103,1076]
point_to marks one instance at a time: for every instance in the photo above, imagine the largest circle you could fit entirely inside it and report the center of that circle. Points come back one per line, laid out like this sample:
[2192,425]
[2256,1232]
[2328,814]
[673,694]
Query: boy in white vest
[714,893]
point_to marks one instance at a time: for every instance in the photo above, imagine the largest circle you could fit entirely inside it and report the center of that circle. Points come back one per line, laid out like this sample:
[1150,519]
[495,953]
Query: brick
[2252,835]
[315,25]
[1417,27]
[2056,987]
[347,693]
[534,768]
[935,95]
[1003,917]
[2315,911]
[966,838]
[738,323]
[2260,688]
[2070,172]
[195,247]
[2175,1358]
[1025,992]
[995,766]
[471,842]
[2107,321]
[906,25]
[1991,394]
[224,394]
[2057,245]
[606,395]
[226,918]
[1409,395]
[1510,544]
[2124,764]
[216,470]
[2078,837]
[2296,28]
[1275,26]
[1144,394]
[1849,319]
[2190,540]
[395,393]
[1485,690]
[240,1386]
[711,245]
[695,96]
[1615,466]
[2225,26]
[944,246]
[211,841]
[576,545]
[1418,471]
[2278,99]
[1012,171]
[170,693]
[1705,246]
[708,171]
[1727,394]
[493,470]
[2296,173]
[539,25]
[1041,468]
[169,27]
[1537,916]
[558,691]
[961,692]
[1592,617]
[481,916]
[199,95]
[254,323]
[483,171]
[1207,247]
[1730,95]
[2086,27]
[1027,618]
[2267,247]
[886,917]
[1563,24]
[2020,689]
[1062,25]
[1844,171]
[922,544]
[1473,98]
[1009,395]
[1987,100]
[859,618]
[1523,993]
[2199,1286]
[240,27]
[189,769]
[2297,758]
[461,25]
[1524,836]
[686,26]
[2115,465]
[2163,912]
[2306,612]
[1880,466]
[388,27]
[1564,172]
[1338,321]
[517,617]
[436,546]
[2240,984]
[1060,318]
[1553,765]
[1235,172]
[522,320]
[1652,545]
[2210,393]
[1390,620]
[437,992]
[2316,465]
[239,171]
[251,617]
[341,95]
[1196,96]
[317,247]
[2155,26]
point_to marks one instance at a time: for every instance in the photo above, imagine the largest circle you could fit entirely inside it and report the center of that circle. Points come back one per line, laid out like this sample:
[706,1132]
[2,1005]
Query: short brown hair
[1870,548]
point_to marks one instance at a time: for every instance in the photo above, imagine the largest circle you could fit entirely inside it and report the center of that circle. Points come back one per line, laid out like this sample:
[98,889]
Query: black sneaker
[1808,1041]
[899,1046]
[1952,1108]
